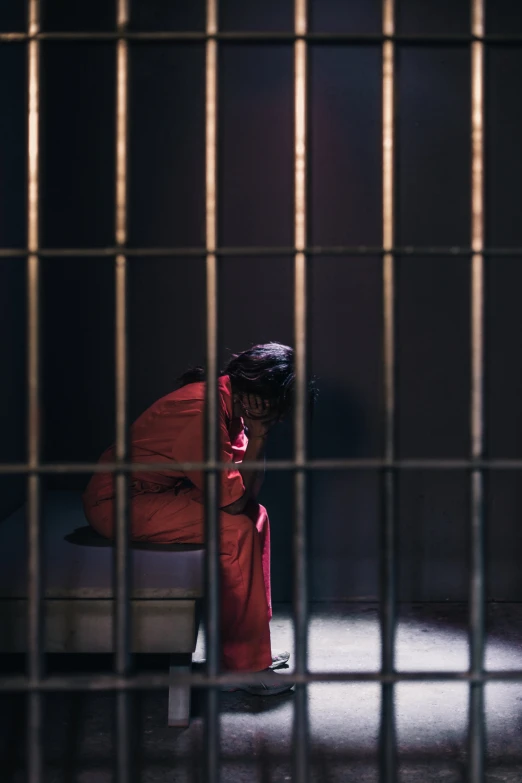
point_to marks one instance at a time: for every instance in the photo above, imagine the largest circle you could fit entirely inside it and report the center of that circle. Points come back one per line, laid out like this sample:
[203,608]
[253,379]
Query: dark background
[166,296]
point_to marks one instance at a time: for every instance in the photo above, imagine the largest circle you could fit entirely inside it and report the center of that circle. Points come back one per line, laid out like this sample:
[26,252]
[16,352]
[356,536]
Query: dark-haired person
[256,391]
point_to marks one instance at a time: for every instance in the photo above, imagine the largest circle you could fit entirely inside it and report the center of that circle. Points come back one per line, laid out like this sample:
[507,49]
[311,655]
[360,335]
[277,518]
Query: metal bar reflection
[212,566]
[300,586]
[34,567]
[477,589]
[387,738]
[122,618]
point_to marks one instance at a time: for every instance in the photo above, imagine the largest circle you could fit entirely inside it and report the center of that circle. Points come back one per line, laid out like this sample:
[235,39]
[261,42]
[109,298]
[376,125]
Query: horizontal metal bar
[311,465]
[223,252]
[114,682]
[245,36]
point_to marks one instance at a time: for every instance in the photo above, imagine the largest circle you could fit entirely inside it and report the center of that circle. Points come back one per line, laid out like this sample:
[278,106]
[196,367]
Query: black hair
[192,375]
[266,370]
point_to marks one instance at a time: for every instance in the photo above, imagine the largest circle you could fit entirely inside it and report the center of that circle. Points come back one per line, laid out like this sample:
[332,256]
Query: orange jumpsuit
[167,507]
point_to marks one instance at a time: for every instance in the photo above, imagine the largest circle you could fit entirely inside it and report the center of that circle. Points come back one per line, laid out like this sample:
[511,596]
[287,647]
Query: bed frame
[167,589]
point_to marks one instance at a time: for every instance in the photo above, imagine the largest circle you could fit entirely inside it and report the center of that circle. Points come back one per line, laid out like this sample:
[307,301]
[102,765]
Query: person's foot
[270,684]
[280,660]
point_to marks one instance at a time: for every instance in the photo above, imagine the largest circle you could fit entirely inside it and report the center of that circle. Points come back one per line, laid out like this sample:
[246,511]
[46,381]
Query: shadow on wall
[339,425]
[342,550]
[12,388]
[344,505]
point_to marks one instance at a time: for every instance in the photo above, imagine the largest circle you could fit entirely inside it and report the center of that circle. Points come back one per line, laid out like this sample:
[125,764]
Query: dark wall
[12,271]
[12,394]
[166,296]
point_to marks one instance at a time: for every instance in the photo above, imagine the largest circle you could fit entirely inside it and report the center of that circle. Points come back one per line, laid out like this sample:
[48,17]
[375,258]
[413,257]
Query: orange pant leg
[258,514]
[245,564]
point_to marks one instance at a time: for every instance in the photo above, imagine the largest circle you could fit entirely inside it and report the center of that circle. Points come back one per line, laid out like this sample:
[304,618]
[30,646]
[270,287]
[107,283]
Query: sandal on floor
[279,660]
[269,684]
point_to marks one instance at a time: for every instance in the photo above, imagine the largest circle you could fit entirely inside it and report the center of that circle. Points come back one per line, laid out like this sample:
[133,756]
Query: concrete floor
[344,719]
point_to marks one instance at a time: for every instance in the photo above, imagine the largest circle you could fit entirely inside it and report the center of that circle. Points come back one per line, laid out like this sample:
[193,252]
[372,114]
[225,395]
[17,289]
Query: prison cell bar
[112,682]
[300,560]
[122,616]
[466,465]
[245,36]
[477,587]
[387,739]
[212,566]
[34,570]
[226,252]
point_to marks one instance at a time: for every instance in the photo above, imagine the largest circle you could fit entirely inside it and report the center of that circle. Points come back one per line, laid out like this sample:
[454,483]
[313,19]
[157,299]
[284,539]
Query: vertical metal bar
[300,591]
[212,570]
[477,588]
[388,764]
[122,575]
[34,571]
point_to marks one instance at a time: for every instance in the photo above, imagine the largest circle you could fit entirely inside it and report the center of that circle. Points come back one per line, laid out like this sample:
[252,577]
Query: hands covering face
[258,415]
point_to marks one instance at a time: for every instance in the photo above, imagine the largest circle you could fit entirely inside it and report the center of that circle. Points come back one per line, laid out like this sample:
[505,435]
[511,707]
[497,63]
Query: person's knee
[236,530]
[234,523]
[261,511]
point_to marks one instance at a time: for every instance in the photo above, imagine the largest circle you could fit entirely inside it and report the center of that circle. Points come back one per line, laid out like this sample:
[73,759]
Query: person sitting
[255,391]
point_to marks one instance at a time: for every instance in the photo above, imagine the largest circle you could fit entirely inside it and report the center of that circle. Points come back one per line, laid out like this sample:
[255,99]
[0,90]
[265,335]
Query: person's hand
[257,415]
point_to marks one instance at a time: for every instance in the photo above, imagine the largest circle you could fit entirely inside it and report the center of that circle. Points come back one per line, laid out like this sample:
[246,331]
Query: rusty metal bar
[300,586]
[34,565]
[212,565]
[387,737]
[477,587]
[122,616]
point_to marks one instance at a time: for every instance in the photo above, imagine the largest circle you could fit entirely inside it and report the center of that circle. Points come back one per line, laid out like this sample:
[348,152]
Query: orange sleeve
[189,447]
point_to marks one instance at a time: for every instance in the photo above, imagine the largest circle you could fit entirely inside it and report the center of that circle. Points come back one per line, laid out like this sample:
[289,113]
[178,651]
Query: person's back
[170,431]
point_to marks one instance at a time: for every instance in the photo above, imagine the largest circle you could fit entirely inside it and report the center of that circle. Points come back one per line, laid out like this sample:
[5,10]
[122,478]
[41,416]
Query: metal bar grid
[34,683]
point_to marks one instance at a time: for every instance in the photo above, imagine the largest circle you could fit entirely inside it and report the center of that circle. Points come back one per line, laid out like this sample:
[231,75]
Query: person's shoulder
[193,394]
[192,391]
[197,391]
